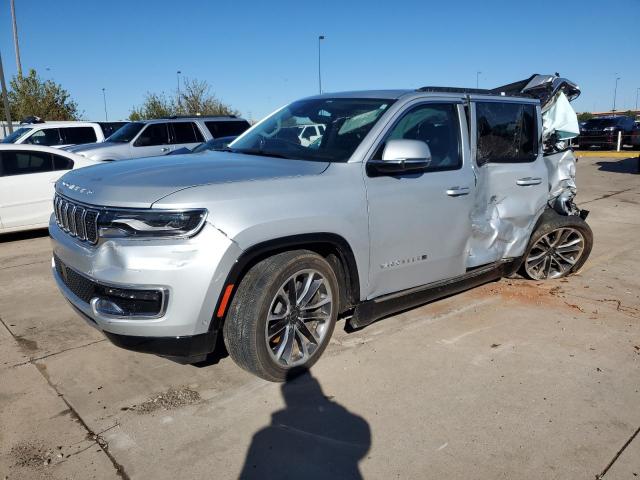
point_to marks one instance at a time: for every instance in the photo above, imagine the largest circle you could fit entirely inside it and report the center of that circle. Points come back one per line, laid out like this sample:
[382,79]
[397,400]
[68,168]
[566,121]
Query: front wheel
[559,246]
[282,315]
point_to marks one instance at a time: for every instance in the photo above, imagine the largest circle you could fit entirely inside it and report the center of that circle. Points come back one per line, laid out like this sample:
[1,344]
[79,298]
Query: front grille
[81,286]
[75,219]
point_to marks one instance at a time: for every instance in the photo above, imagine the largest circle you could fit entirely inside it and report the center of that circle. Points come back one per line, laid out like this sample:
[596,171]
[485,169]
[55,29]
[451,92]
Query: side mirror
[401,156]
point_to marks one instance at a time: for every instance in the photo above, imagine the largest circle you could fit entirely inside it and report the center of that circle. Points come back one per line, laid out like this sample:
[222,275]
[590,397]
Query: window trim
[409,108]
[537,134]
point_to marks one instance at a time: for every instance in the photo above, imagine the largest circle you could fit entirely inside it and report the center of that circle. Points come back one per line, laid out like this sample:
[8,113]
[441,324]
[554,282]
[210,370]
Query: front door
[419,224]
[153,140]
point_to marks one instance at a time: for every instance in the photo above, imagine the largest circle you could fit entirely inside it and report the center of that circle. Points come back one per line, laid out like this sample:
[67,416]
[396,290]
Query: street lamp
[320,38]
[615,92]
[104,99]
[478,78]
[637,90]
[178,76]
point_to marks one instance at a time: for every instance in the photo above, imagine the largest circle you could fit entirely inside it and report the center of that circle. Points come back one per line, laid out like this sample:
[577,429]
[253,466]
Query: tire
[266,291]
[558,247]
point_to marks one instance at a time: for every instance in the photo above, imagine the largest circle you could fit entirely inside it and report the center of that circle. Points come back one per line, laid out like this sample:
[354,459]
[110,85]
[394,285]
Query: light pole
[104,99]
[615,93]
[637,90]
[178,77]
[5,98]
[320,38]
[15,38]
[478,78]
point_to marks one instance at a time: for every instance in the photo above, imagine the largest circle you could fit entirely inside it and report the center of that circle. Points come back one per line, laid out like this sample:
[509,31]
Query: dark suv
[603,131]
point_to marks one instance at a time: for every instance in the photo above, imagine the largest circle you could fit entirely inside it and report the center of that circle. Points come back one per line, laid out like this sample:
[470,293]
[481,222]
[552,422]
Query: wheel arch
[333,247]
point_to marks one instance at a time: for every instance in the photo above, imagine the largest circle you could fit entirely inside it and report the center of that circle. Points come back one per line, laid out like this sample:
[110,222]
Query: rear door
[152,140]
[512,178]
[419,223]
[26,187]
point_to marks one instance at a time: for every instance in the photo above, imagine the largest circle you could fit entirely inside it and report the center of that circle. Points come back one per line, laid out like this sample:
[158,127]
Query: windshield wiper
[258,152]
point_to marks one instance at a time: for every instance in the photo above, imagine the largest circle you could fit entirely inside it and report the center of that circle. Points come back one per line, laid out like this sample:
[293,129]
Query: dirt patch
[27,345]
[522,291]
[172,398]
[31,454]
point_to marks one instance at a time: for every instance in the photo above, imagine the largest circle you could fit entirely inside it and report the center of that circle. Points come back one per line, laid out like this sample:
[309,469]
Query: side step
[369,311]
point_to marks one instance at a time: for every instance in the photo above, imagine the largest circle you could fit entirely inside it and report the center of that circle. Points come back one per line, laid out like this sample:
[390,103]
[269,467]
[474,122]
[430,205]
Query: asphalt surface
[514,379]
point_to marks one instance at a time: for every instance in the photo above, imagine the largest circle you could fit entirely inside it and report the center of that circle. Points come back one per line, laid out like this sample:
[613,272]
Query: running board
[369,311]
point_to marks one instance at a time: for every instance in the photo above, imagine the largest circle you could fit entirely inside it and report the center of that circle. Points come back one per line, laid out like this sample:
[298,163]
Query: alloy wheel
[554,254]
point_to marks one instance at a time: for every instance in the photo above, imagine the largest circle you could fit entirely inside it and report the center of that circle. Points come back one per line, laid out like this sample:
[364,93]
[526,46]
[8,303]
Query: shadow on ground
[313,437]
[26,235]
[626,165]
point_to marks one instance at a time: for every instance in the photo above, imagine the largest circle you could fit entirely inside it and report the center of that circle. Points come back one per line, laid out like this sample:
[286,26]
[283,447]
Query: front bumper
[190,272]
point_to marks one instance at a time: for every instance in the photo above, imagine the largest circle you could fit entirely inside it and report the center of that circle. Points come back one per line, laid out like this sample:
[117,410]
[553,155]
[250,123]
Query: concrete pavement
[514,379]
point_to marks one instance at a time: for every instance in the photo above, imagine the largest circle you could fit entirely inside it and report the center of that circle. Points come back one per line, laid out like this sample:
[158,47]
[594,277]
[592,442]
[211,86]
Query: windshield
[326,129]
[16,134]
[126,134]
[601,122]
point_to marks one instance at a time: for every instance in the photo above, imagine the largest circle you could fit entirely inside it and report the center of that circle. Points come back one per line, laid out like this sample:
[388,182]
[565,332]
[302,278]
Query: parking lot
[514,379]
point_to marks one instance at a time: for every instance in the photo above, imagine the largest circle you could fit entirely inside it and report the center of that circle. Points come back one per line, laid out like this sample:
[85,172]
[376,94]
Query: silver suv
[160,137]
[409,195]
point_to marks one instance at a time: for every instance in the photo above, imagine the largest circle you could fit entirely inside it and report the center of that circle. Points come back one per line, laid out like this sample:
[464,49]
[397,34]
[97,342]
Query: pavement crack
[24,264]
[606,196]
[96,437]
[617,455]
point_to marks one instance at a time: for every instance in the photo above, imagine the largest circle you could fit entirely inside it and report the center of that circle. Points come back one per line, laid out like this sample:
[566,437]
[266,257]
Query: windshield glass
[16,134]
[126,134]
[326,129]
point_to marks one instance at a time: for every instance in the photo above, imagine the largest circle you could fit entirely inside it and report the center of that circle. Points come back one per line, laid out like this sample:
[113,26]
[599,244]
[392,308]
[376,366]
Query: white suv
[62,134]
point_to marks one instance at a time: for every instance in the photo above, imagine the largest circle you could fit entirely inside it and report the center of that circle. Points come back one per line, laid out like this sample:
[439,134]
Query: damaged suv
[405,197]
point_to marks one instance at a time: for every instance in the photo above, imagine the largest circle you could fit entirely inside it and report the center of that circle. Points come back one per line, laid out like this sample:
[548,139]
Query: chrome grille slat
[76,220]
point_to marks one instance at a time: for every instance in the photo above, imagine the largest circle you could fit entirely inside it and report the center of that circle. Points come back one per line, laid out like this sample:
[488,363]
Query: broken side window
[506,132]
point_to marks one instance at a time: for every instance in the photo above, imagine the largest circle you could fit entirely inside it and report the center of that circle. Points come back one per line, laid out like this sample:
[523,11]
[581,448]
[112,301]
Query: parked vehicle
[603,132]
[635,137]
[409,195]
[61,134]
[160,137]
[27,175]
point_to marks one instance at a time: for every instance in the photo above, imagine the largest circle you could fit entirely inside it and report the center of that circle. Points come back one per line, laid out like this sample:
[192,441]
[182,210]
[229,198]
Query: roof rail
[471,91]
[172,117]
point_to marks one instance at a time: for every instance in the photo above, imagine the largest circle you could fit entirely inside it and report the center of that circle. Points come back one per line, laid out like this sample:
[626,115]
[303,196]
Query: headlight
[150,223]
[609,129]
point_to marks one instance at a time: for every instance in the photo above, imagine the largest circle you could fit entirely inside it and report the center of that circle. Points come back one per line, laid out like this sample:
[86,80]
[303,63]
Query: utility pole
[5,98]
[478,78]
[15,38]
[178,75]
[615,93]
[637,90]
[104,98]
[320,38]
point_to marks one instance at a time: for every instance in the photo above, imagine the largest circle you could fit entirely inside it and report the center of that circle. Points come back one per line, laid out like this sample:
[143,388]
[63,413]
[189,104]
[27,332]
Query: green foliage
[584,116]
[195,99]
[30,95]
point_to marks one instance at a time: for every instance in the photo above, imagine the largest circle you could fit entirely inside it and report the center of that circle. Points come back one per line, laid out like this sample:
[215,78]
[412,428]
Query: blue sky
[260,55]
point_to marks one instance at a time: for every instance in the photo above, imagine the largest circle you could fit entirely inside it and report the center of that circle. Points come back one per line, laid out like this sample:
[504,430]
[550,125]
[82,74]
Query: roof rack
[473,91]
[172,117]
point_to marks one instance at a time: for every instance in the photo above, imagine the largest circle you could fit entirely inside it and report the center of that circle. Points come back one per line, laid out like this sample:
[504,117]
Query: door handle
[164,149]
[526,181]
[457,191]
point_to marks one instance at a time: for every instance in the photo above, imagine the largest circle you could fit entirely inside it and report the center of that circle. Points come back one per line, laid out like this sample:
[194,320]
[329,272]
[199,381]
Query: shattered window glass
[506,132]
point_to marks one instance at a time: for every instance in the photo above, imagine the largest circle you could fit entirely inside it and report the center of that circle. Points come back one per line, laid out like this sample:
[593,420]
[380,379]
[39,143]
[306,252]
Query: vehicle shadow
[26,235]
[313,437]
[626,165]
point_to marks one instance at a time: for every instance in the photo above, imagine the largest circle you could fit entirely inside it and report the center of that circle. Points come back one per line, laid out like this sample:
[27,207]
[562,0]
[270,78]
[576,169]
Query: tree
[584,116]
[195,99]
[46,99]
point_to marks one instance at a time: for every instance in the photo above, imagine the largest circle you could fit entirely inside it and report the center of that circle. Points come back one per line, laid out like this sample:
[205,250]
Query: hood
[87,147]
[140,182]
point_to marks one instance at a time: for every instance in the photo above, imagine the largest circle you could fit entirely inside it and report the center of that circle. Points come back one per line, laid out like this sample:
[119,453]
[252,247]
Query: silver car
[160,137]
[409,195]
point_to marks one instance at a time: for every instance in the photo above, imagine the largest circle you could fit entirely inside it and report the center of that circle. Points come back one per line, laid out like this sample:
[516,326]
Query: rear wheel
[558,247]
[282,315]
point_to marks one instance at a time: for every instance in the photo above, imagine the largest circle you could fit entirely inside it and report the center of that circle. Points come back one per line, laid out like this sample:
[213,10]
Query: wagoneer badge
[77,188]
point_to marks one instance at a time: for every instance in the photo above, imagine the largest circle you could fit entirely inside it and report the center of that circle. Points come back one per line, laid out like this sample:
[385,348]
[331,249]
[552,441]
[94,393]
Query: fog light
[106,307]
